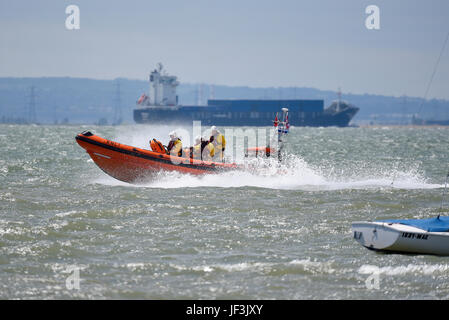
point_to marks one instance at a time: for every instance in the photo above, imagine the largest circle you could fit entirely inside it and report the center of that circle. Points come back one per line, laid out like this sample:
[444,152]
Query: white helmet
[173,135]
[213,129]
[198,139]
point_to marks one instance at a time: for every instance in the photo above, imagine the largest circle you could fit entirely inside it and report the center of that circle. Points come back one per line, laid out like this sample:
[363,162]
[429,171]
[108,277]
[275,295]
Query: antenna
[200,94]
[404,110]
[282,130]
[32,106]
[117,105]
[212,92]
[339,98]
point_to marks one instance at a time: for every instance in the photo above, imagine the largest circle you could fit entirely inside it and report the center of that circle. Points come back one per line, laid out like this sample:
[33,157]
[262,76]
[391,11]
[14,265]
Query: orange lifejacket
[157,146]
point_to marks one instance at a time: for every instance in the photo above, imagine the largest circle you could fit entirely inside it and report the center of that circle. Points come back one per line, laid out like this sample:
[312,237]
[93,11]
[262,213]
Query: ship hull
[218,118]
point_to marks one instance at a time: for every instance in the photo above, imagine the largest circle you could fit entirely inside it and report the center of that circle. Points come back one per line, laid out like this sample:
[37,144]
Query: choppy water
[232,236]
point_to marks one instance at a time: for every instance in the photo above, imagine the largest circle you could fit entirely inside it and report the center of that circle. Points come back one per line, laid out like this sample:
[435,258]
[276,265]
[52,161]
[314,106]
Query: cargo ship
[160,105]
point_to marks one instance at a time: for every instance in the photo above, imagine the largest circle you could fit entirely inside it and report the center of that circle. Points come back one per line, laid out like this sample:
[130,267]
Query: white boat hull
[396,237]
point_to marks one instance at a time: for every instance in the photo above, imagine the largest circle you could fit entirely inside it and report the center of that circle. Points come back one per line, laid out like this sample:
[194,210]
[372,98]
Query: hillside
[80,100]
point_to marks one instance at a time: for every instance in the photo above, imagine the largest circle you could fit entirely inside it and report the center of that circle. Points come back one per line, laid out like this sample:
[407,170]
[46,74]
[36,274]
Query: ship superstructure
[162,90]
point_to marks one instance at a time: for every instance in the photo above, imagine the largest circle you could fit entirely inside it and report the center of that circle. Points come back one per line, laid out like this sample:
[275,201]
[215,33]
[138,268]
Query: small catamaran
[421,236]
[427,236]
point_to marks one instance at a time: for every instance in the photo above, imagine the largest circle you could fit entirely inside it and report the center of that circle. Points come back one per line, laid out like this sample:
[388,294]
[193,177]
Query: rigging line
[433,74]
[444,191]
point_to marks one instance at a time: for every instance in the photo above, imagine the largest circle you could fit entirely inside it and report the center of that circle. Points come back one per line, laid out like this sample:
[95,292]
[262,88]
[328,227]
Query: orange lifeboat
[131,164]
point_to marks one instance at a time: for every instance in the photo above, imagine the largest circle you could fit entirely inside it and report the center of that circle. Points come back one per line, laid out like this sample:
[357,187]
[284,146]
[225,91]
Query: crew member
[219,142]
[207,150]
[203,149]
[175,145]
[196,149]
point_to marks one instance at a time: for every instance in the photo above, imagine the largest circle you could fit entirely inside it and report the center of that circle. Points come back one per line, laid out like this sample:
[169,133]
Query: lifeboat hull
[260,151]
[134,165]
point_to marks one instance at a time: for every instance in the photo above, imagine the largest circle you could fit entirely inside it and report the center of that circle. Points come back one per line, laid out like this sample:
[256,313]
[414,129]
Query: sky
[321,44]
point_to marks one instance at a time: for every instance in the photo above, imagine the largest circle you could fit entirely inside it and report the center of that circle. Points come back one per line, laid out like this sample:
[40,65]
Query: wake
[292,174]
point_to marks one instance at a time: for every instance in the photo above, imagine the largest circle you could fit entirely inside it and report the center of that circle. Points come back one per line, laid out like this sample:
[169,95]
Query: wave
[293,174]
[425,269]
